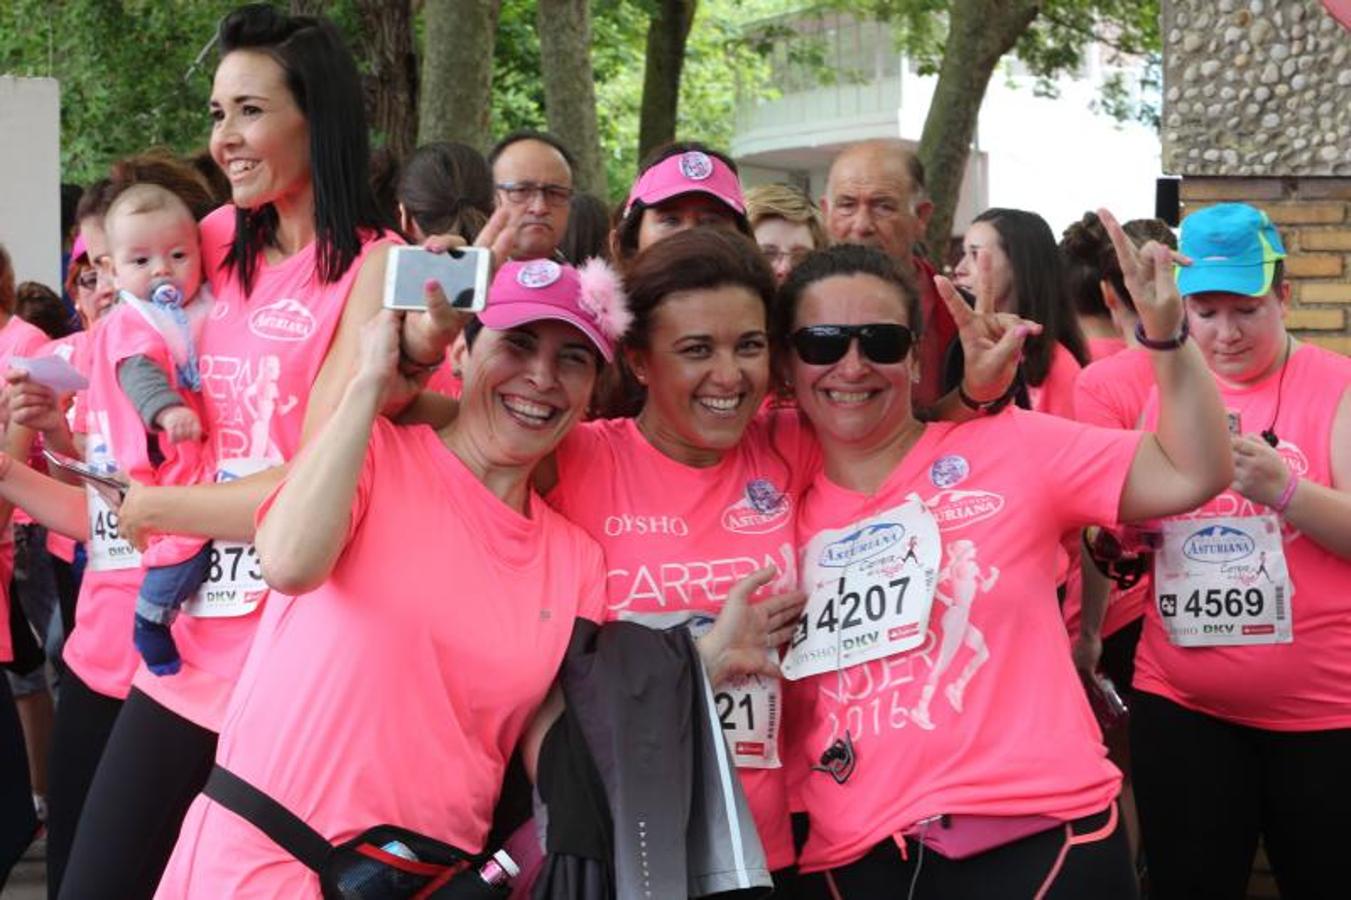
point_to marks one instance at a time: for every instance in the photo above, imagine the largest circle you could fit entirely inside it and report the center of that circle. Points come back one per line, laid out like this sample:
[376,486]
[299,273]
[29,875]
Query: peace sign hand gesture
[1148,273]
[992,341]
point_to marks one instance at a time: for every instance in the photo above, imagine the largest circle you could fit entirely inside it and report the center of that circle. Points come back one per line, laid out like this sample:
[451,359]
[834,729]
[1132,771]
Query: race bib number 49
[234,583]
[869,588]
[1223,581]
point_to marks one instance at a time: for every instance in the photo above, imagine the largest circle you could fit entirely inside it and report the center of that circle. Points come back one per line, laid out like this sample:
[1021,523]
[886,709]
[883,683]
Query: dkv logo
[285,320]
[1218,544]
[862,544]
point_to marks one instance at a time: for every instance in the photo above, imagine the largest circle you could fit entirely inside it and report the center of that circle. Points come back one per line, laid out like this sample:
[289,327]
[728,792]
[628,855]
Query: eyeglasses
[794,257]
[518,192]
[823,345]
[87,280]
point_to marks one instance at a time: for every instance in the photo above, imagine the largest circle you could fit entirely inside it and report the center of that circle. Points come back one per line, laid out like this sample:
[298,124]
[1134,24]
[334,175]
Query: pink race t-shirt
[986,716]
[17,338]
[397,691]
[126,333]
[1055,395]
[1103,347]
[677,538]
[1112,393]
[1295,686]
[259,356]
[99,649]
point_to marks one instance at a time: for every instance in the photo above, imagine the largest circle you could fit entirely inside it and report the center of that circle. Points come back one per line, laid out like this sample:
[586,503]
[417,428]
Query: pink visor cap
[536,289]
[687,173]
[77,249]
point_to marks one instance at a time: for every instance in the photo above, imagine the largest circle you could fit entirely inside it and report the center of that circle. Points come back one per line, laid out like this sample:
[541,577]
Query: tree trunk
[666,36]
[979,33]
[570,88]
[457,72]
[391,83]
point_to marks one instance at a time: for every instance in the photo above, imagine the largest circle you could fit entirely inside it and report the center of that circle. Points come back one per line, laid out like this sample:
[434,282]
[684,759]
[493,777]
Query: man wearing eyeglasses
[532,177]
[875,196]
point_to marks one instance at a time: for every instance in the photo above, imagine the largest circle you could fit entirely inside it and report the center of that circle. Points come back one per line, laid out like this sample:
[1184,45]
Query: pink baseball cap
[543,289]
[687,173]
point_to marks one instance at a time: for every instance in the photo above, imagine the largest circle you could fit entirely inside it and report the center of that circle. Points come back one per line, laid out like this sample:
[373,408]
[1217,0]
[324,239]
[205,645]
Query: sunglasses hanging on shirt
[883,343]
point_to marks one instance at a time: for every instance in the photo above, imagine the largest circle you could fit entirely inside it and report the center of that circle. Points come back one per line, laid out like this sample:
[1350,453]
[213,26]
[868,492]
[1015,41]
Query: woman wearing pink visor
[433,597]
[680,186]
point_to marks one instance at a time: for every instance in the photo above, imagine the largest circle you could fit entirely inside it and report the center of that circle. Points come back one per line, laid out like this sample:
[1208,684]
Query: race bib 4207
[869,588]
[1223,581]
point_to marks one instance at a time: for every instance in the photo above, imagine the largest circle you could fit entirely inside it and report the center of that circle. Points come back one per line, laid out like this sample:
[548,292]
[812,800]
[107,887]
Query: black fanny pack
[374,865]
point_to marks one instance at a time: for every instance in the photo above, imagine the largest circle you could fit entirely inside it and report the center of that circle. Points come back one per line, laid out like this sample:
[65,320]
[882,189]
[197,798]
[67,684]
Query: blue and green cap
[1233,248]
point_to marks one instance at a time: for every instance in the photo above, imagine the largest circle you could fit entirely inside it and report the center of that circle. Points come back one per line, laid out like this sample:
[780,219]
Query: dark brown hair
[697,259]
[6,281]
[38,305]
[843,260]
[447,188]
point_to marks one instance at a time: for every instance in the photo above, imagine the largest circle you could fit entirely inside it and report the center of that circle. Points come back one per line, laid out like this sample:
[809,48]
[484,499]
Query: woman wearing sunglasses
[943,746]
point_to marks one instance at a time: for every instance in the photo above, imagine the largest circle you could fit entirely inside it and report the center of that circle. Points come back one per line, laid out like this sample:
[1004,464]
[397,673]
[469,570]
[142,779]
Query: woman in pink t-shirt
[946,749]
[98,655]
[296,266]
[1241,724]
[1025,276]
[413,723]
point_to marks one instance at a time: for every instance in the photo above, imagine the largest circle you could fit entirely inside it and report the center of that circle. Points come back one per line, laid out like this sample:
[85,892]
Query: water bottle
[165,292]
[499,870]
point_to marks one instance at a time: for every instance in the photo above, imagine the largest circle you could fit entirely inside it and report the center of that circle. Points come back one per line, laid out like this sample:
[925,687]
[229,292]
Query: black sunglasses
[882,343]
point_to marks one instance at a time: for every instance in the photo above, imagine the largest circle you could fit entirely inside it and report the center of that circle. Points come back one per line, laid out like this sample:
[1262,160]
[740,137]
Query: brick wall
[1314,218]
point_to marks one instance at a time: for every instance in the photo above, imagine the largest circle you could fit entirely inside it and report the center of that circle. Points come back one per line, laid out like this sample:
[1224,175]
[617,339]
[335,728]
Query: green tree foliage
[127,73]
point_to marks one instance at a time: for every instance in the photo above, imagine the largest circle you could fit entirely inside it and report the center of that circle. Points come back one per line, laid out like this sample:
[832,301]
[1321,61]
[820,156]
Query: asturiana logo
[1218,544]
[957,509]
[285,320]
[862,544]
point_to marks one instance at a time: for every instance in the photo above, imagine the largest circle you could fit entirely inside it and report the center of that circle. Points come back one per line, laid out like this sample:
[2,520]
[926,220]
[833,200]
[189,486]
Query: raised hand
[738,643]
[1148,273]
[427,335]
[992,341]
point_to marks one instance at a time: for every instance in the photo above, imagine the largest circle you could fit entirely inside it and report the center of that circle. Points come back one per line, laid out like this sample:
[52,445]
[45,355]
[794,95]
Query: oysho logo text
[674,526]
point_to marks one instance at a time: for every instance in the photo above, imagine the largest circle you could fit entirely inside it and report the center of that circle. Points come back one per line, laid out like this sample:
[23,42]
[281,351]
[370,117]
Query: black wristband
[1171,343]
[989,407]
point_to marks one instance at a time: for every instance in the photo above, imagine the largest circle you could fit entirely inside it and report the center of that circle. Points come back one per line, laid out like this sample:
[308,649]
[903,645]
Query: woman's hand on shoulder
[739,642]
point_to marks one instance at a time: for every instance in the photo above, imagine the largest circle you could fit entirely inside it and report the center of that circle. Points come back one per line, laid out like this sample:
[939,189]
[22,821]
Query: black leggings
[1207,789]
[155,763]
[1086,858]
[84,720]
[18,819]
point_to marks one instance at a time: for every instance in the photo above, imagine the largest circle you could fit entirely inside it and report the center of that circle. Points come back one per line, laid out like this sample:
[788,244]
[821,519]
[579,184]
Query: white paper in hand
[52,371]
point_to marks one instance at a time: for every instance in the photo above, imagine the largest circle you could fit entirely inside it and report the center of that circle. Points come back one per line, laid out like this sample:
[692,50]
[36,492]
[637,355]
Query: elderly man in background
[875,196]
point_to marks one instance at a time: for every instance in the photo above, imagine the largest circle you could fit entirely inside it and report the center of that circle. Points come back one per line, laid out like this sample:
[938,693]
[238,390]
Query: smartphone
[462,274]
[85,472]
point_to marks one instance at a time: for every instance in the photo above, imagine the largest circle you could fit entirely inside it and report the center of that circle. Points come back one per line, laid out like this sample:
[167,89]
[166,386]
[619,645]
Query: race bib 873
[234,583]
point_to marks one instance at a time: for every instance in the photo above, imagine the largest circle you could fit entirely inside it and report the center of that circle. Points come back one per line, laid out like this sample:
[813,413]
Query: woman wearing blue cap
[1242,717]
